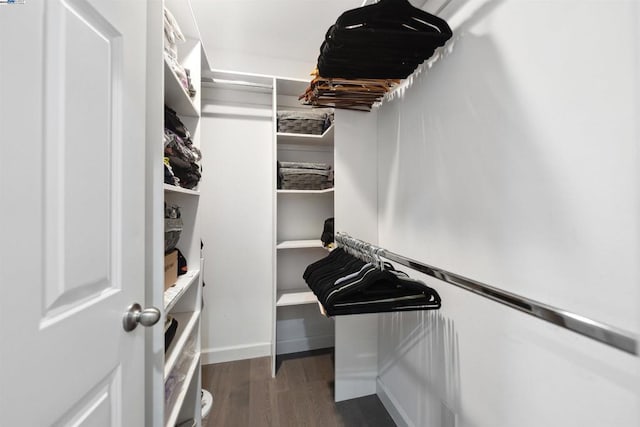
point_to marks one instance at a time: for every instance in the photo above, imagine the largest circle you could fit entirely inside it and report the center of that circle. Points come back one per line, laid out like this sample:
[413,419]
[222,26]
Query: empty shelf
[299,244]
[295,297]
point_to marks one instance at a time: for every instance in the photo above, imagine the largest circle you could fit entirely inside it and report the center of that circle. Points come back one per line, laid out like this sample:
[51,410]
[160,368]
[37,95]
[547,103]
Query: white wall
[514,161]
[236,224]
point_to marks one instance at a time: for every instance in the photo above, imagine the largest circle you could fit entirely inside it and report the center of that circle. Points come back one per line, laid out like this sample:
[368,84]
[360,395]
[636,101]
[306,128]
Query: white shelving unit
[300,215]
[183,300]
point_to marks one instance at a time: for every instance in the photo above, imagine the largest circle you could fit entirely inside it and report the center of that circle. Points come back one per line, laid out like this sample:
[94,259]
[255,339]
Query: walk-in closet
[222,213]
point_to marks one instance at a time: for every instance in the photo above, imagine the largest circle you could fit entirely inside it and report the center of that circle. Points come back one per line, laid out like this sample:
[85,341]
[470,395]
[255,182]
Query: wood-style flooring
[301,394]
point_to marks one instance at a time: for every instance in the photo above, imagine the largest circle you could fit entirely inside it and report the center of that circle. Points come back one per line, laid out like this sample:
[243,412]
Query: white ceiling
[272,37]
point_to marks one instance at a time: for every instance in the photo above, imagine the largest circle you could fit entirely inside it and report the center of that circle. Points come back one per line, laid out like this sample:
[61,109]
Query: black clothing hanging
[385,40]
[345,284]
[369,49]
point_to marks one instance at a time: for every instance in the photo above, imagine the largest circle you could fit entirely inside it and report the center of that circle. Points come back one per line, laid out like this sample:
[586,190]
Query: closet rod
[236,83]
[607,334]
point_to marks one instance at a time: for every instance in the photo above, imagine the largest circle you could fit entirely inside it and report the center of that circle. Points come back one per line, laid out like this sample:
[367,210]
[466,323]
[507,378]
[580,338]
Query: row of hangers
[384,40]
[381,42]
[353,279]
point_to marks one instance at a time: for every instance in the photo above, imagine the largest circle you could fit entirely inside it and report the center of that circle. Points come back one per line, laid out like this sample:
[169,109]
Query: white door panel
[72,105]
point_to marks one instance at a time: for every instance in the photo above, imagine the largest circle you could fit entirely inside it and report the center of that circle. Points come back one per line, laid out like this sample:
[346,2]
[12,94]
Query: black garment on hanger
[345,284]
[385,40]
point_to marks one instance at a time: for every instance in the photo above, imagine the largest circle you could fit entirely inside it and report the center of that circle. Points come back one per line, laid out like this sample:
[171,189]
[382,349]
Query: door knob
[135,314]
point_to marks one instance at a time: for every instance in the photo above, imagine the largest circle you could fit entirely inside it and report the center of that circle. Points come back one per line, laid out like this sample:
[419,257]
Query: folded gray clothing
[287,172]
[303,165]
[305,179]
[306,186]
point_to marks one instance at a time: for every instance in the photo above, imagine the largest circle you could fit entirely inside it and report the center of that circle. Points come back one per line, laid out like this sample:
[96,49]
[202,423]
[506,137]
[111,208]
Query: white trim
[390,403]
[304,344]
[236,352]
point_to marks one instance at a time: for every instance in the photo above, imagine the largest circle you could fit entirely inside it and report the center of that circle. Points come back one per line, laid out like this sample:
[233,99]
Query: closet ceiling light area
[272,37]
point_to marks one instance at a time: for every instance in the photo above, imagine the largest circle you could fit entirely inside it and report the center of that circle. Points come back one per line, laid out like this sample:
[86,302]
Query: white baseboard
[239,352]
[390,403]
[353,386]
[304,344]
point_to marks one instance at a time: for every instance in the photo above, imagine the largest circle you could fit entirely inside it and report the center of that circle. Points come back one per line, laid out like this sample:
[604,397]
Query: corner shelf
[175,95]
[173,294]
[295,297]
[299,244]
[302,138]
[175,189]
[328,190]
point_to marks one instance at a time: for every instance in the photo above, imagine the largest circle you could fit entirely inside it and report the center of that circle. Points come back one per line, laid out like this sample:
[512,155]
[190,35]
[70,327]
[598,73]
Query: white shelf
[177,405]
[174,293]
[175,95]
[328,190]
[174,189]
[295,297]
[186,325]
[300,138]
[299,244]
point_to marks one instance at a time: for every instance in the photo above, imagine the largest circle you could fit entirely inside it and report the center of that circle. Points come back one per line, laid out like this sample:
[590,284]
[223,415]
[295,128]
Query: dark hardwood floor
[244,394]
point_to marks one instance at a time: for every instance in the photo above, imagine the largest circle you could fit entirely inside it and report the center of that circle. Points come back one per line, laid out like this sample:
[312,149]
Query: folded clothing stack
[304,176]
[181,156]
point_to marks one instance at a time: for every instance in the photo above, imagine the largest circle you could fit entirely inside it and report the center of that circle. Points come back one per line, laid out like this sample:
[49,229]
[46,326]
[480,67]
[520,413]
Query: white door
[72,134]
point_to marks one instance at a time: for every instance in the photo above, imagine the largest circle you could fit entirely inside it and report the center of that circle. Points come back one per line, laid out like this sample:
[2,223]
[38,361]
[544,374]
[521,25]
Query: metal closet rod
[236,83]
[606,334]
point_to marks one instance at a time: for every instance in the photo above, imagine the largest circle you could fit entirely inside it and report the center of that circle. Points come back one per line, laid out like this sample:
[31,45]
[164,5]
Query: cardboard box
[170,269]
